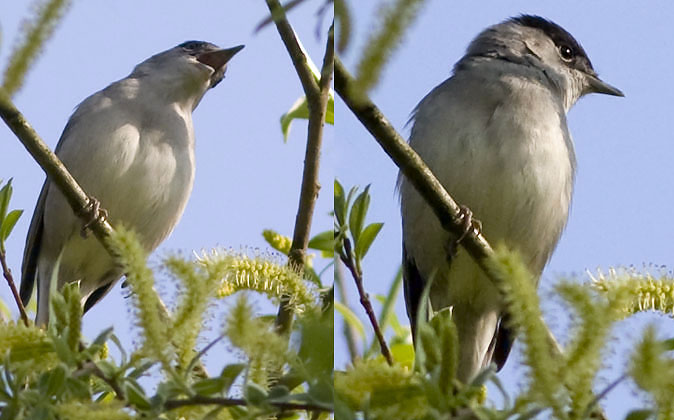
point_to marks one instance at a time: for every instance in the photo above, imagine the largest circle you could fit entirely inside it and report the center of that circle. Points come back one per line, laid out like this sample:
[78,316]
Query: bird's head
[541,44]
[188,69]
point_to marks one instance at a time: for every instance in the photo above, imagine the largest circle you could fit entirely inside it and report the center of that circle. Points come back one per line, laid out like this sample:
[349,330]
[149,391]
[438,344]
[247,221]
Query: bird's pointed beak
[599,86]
[218,58]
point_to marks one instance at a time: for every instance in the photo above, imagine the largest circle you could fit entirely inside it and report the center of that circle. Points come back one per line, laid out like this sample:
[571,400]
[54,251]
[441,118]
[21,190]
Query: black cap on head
[560,37]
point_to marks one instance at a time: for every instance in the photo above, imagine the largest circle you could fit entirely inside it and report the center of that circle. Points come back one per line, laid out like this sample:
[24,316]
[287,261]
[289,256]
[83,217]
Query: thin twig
[591,407]
[231,402]
[317,100]
[347,259]
[195,363]
[7,273]
[287,7]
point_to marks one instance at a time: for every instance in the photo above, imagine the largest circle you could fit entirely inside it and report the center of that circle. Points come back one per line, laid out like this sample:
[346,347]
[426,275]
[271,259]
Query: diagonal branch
[317,100]
[82,204]
[414,169]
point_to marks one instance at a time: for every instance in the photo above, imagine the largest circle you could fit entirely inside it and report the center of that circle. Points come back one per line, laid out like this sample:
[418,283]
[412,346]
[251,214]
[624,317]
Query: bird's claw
[468,225]
[92,213]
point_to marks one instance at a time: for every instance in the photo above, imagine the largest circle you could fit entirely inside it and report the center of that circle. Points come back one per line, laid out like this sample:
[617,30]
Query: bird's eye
[191,46]
[566,52]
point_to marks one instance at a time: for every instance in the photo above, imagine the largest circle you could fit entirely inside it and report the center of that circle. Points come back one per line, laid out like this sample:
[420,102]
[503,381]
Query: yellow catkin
[644,291]
[239,271]
[277,241]
[358,385]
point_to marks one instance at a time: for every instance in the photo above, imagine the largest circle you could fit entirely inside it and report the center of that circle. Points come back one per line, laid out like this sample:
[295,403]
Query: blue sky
[247,178]
[622,206]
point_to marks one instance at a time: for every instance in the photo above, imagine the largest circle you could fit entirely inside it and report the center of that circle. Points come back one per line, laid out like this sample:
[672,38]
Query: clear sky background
[621,212]
[247,178]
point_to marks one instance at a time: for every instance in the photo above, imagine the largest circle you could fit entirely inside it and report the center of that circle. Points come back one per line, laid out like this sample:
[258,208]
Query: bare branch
[231,402]
[349,262]
[317,100]
[294,50]
[7,273]
[56,171]
[414,169]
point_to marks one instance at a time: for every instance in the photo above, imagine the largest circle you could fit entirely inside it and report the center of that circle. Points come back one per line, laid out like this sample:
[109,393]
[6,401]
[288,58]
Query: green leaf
[136,395]
[108,334]
[340,202]
[255,394]
[351,319]
[366,238]
[298,109]
[358,213]
[317,347]
[5,196]
[209,386]
[391,298]
[8,224]
[485,375]
[324,241]
[78,388]
[140,370]
[108,368]
[5,313]
[330,111]
[342,410]
[448,344]
[56,379]
[230,373]
[278,392]
[668,345]
[62,349]
[640,415]
[11,410]
[403,354]
[322,392]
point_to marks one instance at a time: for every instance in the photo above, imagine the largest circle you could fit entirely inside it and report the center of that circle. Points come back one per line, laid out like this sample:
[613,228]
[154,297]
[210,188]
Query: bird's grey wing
[413,286]
[33,247]
[503,342]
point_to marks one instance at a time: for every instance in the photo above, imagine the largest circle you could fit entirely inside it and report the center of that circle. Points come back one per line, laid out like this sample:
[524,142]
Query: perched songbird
[495,134]
[131,146]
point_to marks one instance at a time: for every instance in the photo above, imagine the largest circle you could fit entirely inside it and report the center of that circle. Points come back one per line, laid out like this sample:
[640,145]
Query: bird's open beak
[218,58]
[598,86]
